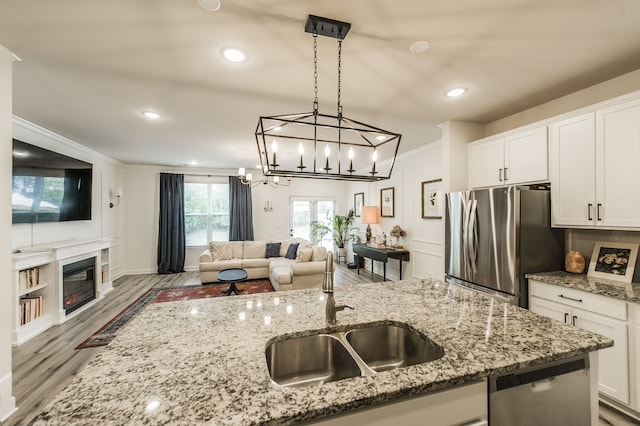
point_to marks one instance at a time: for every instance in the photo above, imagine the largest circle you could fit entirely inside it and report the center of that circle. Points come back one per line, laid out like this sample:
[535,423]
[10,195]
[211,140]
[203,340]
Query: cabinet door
[546,308]
[613,363]
[572,171]
[486,163]
[617,171]
[526,157]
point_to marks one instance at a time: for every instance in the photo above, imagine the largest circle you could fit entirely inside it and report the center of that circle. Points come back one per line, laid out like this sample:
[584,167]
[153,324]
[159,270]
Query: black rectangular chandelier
[323,146]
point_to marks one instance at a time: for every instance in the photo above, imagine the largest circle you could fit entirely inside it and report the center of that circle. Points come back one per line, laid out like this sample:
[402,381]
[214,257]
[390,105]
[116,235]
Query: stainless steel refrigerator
[493,237]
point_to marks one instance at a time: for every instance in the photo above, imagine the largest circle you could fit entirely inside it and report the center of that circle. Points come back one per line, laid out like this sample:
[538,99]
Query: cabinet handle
[589,207]
[505,173]
[570,298]
[500,175]
[573,320]
[598,211]
[566,315]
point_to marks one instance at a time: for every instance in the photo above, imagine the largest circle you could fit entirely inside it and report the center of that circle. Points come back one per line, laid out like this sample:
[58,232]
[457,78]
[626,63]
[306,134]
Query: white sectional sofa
[287,267]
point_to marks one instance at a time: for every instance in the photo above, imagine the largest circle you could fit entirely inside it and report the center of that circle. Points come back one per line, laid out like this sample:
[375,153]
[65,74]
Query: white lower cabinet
[464,405]
[598,314]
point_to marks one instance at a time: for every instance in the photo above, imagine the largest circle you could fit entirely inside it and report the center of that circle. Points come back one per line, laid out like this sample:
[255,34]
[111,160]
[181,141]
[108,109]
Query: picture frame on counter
[613,261]
[387,202]
[432,199]
[358,202]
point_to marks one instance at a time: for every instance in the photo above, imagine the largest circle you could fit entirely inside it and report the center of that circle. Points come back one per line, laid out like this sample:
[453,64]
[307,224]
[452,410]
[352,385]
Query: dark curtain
[76,200]
[171,231]
[240,211]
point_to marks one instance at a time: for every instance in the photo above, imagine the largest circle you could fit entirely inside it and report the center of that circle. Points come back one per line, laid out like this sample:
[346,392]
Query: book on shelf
[29,278]
[30,308]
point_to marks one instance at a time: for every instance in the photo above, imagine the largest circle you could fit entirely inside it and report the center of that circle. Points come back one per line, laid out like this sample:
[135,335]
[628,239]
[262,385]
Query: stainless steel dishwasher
[547,395]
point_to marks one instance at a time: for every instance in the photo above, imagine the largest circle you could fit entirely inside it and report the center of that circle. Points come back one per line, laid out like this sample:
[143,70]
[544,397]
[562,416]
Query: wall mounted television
[49,187]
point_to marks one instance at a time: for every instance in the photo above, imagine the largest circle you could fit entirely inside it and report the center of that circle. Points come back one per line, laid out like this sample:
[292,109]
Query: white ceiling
[90,67]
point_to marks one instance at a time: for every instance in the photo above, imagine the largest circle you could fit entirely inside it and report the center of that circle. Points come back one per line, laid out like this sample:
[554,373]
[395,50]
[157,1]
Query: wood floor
[43,366]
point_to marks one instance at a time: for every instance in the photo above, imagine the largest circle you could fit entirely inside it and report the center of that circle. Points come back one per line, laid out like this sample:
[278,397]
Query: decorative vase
[574,262]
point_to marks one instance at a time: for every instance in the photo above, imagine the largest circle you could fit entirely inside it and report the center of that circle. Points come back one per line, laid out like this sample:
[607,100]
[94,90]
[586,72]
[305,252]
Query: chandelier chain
[315,72]
[339,78]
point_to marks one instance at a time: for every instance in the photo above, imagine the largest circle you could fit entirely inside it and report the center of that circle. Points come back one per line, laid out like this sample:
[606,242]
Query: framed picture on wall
[613,261]
[432,199]
[358,202]
[386,202]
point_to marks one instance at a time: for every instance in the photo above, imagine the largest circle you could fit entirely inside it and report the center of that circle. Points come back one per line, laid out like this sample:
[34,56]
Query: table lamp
[369,215]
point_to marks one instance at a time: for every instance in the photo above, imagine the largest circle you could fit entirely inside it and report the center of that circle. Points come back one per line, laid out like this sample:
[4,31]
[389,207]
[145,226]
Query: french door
[303,211]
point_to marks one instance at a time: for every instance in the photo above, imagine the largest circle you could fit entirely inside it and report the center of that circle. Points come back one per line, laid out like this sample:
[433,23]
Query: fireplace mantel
[50,259]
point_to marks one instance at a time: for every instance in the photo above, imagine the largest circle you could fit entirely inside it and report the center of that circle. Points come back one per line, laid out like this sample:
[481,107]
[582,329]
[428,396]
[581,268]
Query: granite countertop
[202,361]
[629,292]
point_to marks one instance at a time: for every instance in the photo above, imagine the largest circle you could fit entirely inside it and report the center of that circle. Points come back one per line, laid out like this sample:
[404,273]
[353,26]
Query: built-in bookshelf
[34,294]
[38,283]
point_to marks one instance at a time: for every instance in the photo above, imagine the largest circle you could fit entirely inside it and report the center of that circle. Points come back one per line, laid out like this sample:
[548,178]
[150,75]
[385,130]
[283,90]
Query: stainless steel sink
[310,360]
[362,351]
[388,346]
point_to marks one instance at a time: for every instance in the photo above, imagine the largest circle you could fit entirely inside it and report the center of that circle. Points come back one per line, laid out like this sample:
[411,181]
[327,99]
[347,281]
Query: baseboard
[7,401]
[632,414]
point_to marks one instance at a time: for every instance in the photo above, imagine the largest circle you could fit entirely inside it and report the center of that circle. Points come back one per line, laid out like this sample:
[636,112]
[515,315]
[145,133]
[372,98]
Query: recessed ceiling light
[194,163]
[210,5]
[456,92]
[419,46]
[152,115]
[234,54]
[381,137]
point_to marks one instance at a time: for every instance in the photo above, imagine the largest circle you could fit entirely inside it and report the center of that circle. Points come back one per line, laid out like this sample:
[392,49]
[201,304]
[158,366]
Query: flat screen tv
[49,187]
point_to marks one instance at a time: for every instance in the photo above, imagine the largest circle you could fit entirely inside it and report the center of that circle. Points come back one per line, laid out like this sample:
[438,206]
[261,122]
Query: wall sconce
[268,206]
[117,194]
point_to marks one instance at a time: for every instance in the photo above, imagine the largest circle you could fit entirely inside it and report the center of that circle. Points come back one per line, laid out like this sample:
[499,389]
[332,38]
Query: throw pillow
[319,253]
[292,251]
[305,255]
[221,251]
[273,250]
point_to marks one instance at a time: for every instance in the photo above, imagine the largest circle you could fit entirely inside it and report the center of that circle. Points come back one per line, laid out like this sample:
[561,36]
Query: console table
[381,255]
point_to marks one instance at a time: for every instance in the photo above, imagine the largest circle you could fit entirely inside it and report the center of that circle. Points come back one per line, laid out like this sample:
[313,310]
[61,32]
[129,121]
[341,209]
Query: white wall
[424,236]
[7,401]
[106,223]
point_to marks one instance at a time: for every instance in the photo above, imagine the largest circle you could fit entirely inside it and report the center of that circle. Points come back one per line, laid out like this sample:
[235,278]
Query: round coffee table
[232,276]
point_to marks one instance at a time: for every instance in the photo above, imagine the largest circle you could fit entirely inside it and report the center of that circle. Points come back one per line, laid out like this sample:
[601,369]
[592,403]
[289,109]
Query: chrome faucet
[327,287]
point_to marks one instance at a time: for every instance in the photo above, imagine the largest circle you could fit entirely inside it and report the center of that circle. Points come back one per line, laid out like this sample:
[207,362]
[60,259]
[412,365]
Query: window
[206,208]
[304,210]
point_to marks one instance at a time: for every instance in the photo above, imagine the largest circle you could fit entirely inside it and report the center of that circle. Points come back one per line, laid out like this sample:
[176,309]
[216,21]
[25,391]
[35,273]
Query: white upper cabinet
[595,178]
[617,165]
[509,160]
[572,171]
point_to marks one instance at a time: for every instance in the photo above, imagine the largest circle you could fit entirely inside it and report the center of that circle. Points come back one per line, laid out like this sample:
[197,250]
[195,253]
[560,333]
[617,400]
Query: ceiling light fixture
[151,115]
[316,145]
[210,5]
[234,54]
[273,181]
[456,92]
[419,46]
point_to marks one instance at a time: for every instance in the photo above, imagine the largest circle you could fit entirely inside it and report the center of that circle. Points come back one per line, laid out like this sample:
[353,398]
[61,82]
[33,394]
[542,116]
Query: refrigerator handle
[465,237]
[472,237]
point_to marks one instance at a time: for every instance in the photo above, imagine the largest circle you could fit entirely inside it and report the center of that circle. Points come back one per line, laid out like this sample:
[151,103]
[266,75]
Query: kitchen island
[203,361]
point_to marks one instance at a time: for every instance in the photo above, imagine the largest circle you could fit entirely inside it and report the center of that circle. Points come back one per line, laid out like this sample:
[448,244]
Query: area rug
[108,332]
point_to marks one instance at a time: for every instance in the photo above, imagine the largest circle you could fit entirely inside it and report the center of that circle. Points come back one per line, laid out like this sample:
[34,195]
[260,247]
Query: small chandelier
[273,181]
[322,146]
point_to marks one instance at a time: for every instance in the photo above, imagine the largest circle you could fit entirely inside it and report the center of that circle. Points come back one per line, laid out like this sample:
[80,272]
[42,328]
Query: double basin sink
[362,351]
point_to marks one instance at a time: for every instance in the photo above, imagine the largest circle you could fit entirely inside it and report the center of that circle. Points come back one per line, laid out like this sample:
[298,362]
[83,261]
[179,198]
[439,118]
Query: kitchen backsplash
[583,240]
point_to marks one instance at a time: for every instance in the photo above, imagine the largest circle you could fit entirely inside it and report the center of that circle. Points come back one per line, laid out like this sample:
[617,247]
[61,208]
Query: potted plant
[341,229]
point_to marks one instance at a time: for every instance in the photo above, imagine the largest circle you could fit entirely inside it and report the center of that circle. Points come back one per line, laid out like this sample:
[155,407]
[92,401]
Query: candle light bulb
[327,150]
[300,148]
[241,171]
[274,146]
[374,156]
[276,179]
[249,176]
[351,160]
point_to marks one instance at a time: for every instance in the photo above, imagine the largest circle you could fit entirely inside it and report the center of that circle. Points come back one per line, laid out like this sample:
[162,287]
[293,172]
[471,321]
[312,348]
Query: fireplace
[78,284]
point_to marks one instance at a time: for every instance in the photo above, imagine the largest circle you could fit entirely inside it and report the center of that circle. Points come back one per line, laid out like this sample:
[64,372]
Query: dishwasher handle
[537,377]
